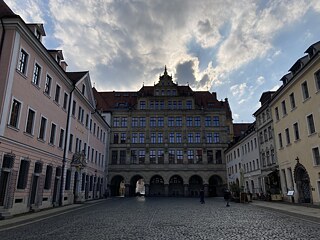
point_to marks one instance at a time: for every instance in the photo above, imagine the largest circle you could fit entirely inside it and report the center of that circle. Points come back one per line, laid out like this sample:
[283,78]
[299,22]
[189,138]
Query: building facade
[52,139]
[168,135]
[243,163]
[295,110]
[269,178]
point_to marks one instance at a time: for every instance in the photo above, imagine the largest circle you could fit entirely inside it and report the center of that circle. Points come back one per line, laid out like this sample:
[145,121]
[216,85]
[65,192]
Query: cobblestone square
[167,218]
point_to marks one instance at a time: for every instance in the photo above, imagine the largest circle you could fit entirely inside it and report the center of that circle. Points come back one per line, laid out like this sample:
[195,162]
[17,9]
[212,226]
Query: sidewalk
[33,217]
[312,212]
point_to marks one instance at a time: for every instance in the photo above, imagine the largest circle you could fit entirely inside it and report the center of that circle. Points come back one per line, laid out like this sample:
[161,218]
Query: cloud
[238,90]
[260,80]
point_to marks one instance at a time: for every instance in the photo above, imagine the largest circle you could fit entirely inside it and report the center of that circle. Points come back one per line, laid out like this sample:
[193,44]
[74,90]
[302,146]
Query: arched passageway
[156,186]
[303,184]
[117,186]
[195,184]
[215,186]
[137,187]
[176,186]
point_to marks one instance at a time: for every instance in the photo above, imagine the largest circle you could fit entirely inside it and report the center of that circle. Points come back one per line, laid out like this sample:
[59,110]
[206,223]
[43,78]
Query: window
[57,94]
[141,137]
[189,104]
[216,121]
[171,137]
[172,156]
[216,138]
[190,156]
[142,105]
[114,157]
[30,121]
[160,157]
[199,156]
[170,121]
[134,138]
[133,158]
[23,61]
[179,121]
[53,133]
[292,101]
[190,137]
[42,131]
[209,138]
[160,138]
[123,156]
[61,138]
[276,110]
[280,140]
[116,138]
[71,142]
[210,156]
[316,156]
[23,174]
[134,122]
[152,156]
[189,121]
[47,183]
[116,122]
[179,157]
[68,180]
[160,121]
[123,122]
[74,105]
[142,121]
[142,156]
[36,74]
[197,138]
[83,90]
[197,122]
[317,79]
[310,123]
[47,86]
[287,135]
[269,132]
[305,91]
[153,137]
[296,131]
[284,108]
[178,137]
[123,137]
[15,113]
[65,101]
[152,122]
[208,121]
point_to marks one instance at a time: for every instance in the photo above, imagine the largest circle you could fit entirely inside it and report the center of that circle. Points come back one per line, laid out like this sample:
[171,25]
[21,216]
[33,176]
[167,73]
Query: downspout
[64,160]
[2,37]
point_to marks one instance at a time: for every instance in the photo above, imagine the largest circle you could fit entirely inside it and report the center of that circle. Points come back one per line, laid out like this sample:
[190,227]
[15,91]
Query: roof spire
[165,70]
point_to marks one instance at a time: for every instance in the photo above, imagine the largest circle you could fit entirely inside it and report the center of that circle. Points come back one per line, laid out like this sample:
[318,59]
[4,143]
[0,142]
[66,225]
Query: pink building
[53,141]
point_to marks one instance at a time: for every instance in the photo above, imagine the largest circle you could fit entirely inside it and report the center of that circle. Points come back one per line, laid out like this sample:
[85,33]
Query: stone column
[146,189]
[166,190]
[186,190]
[206,190]
[127,190]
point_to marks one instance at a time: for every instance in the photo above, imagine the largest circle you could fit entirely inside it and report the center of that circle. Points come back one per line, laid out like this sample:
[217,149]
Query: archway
[215,186]
[117,185]
[137,187]
[176,186]
[156,186]
[195,184]
[302,180]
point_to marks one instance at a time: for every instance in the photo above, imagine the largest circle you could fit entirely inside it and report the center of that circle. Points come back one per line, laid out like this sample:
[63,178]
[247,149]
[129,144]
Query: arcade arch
[215,186]
[117,186]
[176,186]
[156,186]
[195,184]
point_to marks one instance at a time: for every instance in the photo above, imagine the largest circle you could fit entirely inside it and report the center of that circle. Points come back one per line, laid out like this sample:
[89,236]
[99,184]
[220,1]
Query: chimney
[64,65]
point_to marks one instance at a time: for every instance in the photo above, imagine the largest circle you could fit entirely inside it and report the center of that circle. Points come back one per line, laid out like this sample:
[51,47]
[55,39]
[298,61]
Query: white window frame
[39,76]
[45,130]
[308,126]
[55,134]
[19,115]
[34,120]
[26,63]
[313,157]
[50,87]
[55,93]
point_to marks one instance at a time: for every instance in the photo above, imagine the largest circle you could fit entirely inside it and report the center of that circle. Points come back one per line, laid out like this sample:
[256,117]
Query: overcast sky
[238,49]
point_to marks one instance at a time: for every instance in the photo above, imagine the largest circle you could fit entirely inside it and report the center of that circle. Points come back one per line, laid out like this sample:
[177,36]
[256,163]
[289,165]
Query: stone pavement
[283,207]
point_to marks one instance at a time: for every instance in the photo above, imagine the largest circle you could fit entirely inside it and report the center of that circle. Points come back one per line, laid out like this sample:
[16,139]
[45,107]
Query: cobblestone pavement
[166,218]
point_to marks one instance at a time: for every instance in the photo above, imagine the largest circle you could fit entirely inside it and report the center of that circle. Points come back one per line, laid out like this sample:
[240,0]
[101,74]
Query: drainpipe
[2,37]
[64,160]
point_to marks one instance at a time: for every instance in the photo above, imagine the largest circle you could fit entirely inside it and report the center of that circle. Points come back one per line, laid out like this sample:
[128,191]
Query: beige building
[296,112]
[53,142]
[168,135]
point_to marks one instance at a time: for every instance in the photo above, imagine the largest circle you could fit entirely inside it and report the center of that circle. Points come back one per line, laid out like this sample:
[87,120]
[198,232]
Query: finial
[165,69]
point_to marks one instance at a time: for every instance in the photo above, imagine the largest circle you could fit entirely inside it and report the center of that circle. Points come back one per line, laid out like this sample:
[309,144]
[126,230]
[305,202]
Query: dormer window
[83,89]
[38,35]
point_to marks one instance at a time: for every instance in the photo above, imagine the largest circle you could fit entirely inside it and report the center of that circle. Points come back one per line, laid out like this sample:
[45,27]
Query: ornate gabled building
[169,137]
